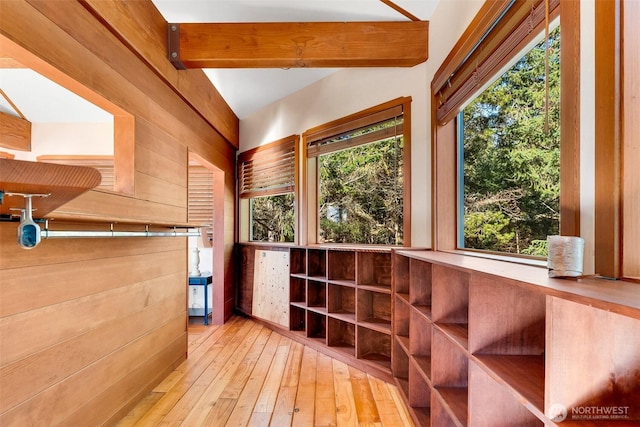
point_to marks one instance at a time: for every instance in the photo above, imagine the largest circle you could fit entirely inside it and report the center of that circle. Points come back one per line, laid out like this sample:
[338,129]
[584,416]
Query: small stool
[204,281]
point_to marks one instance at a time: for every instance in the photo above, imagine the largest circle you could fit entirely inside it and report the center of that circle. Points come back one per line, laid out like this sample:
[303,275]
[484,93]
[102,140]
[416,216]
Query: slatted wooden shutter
[200,194]
[269,169]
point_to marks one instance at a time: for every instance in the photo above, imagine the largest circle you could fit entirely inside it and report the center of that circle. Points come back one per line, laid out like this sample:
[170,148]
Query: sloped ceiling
[245,90]
[248,90]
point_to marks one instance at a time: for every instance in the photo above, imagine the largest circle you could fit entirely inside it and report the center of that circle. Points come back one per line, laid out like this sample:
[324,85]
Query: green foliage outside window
[361,194]
[273,218]
[511,165]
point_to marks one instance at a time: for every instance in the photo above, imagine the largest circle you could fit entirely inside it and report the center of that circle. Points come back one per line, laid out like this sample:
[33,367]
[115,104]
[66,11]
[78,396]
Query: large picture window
[506,152]
[361,176]
[511,158]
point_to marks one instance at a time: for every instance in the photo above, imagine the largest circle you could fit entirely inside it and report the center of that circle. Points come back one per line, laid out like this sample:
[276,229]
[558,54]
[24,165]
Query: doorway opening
[206,211]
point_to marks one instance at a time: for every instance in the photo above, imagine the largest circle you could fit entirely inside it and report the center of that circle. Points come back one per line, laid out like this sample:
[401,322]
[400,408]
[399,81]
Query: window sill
[534,262]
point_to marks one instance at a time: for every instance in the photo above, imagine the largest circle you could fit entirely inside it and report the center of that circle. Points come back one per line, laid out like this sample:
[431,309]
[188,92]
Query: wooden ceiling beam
[15,132]
[298,45]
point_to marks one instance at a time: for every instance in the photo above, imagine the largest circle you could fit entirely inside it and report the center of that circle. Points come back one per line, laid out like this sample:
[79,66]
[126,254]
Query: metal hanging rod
[56,234]
[30,234]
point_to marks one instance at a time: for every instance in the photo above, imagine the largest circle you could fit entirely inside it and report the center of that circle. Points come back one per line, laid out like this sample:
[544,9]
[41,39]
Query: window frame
[310,220]
[445,128]
[288,147]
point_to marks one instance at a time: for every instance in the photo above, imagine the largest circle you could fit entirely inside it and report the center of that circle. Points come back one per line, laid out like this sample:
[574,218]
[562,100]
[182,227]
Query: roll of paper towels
[566,255]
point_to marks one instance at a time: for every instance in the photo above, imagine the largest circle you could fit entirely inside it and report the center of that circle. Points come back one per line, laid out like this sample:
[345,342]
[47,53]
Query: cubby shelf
[346,283]
[404,343]
[423,366]
[469,340]
[497,343]
[524,375]
[403,297]
[454,400]
[341,336]
[344,295]
[345,317]
[425,310]
[459,332]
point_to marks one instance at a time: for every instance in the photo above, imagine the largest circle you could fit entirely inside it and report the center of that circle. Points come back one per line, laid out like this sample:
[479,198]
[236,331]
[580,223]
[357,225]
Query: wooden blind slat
[350,124]
[200,209]
[516,27]
[378,135]
[268,170]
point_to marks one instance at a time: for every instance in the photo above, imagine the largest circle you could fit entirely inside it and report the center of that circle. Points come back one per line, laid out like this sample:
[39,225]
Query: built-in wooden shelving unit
[339,300]
[341,297]
[479,342]
[469,341]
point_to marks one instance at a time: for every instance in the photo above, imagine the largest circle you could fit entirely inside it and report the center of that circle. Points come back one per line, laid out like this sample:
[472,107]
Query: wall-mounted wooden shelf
[63,183]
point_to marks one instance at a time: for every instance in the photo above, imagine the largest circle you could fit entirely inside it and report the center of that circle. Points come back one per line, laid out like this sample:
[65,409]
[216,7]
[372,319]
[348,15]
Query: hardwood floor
[244,374]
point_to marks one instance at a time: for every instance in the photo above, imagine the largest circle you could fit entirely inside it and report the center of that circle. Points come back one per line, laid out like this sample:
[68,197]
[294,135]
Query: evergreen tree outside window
[510,189]
[267,180]
[273,218]
[361,176]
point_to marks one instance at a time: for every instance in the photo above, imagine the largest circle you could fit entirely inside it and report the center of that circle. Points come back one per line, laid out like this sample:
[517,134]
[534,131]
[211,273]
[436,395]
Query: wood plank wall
[89,326]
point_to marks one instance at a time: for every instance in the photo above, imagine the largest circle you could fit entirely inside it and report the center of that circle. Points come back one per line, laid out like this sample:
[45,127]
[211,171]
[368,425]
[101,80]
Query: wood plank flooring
[244,374]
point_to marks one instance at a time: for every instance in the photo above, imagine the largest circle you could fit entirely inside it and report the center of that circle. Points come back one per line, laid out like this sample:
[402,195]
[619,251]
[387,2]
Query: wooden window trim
[444,146]
[309,186]
[609,173]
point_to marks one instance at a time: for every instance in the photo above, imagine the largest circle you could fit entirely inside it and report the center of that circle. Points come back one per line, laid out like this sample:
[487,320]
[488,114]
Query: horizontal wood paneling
[117,207]
[159,154]
[52,252]
[89,326]
[210,104]
[58,402]
[31,375]
[168,169]
[160,191]
[74,317]
[19,295]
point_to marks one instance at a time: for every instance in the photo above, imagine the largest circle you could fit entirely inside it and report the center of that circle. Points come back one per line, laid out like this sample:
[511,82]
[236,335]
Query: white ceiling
[245,90]
[248,90]
[42,101]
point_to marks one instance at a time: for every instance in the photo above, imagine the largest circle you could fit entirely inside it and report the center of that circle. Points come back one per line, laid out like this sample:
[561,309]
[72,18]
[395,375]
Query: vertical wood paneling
[631,139]
[607,139]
